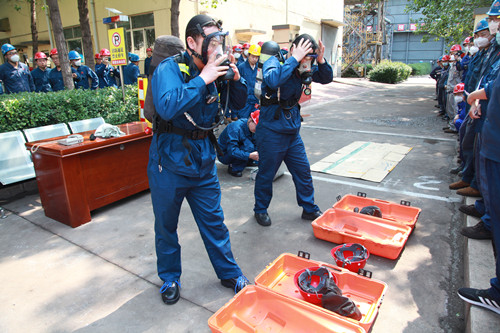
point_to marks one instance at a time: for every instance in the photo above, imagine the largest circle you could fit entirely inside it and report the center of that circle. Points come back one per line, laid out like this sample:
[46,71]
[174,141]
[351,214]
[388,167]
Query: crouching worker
[182,155]
[238,145]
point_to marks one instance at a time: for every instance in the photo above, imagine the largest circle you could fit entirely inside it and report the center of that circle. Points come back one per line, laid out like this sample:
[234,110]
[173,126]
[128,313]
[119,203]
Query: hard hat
[352,256]
[306,37]
[104,52]
[255,116]
[260,43]
[494,9]
[238,48]
[199,21]
[133,57]
[482,25]
[255,50]
[246,45]
[313,282]
[270,48]
[467,40]
[97,56]
[40,55]
[6,48]
[459,88]
[73,55]
[149,49]
[446,57]
[456,47]
[371,210]
[53,52]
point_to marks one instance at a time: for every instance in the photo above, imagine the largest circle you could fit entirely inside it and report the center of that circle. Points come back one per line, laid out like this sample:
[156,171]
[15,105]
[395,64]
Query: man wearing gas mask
[15,75]
[181,165]
[277,135]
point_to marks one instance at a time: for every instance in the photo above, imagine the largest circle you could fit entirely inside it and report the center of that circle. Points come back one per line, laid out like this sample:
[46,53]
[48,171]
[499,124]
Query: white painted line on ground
[310,105]
[386,190]
[379,133]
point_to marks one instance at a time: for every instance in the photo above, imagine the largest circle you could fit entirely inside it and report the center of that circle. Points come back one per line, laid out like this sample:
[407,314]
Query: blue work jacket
[41,79]
[490,146]
[249,75]
[105,73]
[85,74]
[147,63]
[130,73]
[470,80]
[463,66]
[16,79]
[56,79]
[236,140]
[289,83]
[172,96]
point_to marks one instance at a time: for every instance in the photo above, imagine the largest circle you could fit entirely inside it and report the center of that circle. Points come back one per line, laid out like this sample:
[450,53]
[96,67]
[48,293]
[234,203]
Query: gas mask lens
[306,63]
[218,42]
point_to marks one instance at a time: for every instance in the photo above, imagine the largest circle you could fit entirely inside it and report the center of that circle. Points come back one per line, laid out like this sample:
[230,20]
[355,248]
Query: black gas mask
[305,69]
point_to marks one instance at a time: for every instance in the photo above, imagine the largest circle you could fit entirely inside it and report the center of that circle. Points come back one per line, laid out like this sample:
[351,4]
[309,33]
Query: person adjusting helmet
[84,72]
[131,72]
[187,99]
[105,72]
[15,75]
[41,73]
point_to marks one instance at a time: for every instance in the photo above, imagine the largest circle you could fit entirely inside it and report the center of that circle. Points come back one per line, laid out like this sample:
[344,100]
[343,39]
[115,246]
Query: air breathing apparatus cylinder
[268,50]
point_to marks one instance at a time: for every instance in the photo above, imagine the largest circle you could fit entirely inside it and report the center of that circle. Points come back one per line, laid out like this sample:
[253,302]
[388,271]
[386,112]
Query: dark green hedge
[390,72]
[27,110]
[421,68]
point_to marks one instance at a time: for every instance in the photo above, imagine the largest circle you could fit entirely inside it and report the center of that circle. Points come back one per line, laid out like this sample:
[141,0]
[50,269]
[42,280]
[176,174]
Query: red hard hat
[246,45]
[97,56]
[40,55]
[260,43]
[255,116]
[459,88]
[446,57]
[104,52]
[237,47]
[456,47]
[53,52]
[352,256]
[149,49]
[467,40]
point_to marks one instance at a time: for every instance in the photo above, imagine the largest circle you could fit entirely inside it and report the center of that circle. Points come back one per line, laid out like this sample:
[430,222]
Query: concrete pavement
[101,277]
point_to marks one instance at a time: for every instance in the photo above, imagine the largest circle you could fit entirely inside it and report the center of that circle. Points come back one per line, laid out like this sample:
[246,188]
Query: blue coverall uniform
[41,79]
[490,171]
[147,63]
[130,73]
[236,142]
[461,115]
[16,79]
[279,140]
[241,60]
[463,65]
[198,182]
[85,74]
[105,73]
[249,75]
[56,79]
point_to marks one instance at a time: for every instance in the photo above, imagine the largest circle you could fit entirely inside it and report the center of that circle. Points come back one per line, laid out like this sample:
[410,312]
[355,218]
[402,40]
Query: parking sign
[117,46]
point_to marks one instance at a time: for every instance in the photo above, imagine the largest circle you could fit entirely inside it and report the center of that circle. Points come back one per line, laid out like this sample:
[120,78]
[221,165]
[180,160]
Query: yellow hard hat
[255,50]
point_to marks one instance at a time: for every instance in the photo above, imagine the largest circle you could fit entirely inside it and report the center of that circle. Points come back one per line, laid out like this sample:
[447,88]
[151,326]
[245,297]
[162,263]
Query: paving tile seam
[102,258]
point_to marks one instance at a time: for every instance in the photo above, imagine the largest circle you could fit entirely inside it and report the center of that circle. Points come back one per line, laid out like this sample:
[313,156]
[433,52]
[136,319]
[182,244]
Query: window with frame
[73,36]
[140,33]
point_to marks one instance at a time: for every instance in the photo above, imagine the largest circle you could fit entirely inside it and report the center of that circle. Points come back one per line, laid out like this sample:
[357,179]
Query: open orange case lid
[275,304]
[401,213]
[381,237]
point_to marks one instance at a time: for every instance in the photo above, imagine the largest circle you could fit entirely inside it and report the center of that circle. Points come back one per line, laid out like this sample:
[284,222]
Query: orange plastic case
[381,237]
[275,304]
[391,211]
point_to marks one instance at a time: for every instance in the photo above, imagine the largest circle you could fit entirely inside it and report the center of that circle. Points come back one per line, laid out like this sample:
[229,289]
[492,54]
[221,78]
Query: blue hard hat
[482,25]
[494,9]
[133,57]
[73,55]
[6,48]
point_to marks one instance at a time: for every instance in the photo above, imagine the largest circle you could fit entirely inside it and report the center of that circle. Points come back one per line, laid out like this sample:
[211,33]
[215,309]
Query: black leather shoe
[170,292]
[263,219]
[470,210]
[311,216]
[234,173]
[236,283]
[478,231]
[456,170]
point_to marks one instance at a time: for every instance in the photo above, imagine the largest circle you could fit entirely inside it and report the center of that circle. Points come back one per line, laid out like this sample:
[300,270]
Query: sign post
[117,45]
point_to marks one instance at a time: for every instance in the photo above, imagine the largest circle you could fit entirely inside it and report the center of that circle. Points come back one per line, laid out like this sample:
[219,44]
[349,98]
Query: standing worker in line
[248,70]
[105,72]
[15,75]
[182,157]
[131,72]
[41,73]
[147,61]
[55,75]
[244,54]
[277,135]
[84,71]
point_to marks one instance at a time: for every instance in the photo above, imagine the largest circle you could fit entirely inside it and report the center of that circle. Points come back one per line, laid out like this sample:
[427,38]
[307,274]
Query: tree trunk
[34,31]
[174,18]
[62,49]
[83,11]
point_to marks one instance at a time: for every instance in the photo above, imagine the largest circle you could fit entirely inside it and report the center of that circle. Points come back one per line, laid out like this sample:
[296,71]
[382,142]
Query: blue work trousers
[235,163]
[467,150]
[490,183]
[478,179]
[273,149]
[168,191]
